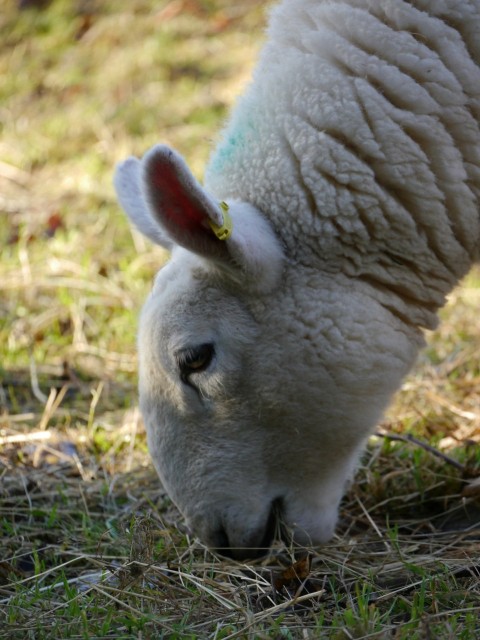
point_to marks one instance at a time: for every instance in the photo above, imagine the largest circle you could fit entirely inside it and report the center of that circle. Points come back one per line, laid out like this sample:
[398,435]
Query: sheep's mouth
[273,530]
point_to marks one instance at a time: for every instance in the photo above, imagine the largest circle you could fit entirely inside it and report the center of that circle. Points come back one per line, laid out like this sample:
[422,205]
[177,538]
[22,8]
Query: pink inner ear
[176,200]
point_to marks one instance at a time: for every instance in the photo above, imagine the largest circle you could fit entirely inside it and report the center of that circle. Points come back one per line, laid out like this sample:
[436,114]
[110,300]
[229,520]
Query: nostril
[273,524]
[220,543]
[257,545]
[249,551]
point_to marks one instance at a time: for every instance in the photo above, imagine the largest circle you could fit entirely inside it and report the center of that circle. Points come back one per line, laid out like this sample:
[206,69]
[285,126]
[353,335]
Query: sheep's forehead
[189,305]
[183,272]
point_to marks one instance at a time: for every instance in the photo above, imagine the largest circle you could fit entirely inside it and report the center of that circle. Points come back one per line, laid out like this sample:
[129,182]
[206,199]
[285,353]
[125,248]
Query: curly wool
[363,119]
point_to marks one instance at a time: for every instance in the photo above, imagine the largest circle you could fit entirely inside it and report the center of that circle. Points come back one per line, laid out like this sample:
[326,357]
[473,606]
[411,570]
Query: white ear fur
[254,247]
[128,185]
[252,252]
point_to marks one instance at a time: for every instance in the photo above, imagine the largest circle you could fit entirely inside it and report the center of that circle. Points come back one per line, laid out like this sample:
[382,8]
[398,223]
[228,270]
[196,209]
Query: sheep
[339,209]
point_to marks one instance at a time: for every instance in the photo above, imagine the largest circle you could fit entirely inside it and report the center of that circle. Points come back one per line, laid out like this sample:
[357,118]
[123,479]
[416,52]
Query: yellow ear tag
[224,231]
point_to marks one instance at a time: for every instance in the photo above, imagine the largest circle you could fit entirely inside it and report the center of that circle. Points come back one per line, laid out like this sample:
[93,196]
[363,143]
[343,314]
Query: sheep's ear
[128,185]
[180,205]
[167,204]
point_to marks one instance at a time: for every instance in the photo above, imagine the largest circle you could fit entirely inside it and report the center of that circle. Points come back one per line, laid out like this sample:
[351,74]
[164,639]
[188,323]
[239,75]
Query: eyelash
[194,360]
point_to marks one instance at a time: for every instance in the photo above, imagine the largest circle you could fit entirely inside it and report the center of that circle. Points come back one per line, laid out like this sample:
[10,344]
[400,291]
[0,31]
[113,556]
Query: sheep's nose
[249,551]
[254,546]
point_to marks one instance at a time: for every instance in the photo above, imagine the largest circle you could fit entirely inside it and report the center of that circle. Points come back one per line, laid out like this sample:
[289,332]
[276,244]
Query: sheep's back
[359,138]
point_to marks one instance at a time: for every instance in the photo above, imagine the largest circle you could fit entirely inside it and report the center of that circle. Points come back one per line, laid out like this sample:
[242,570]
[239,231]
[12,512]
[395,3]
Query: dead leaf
[54,223]
[472,489]
[293,576]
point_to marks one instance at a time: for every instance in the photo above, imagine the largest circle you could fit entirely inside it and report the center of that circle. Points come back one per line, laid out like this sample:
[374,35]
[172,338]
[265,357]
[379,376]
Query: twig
[39,395]
[25,437]
[54,400]
[412,440]
[372,522]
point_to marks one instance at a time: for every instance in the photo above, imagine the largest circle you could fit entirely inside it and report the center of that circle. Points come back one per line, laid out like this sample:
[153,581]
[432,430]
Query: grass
[90,547]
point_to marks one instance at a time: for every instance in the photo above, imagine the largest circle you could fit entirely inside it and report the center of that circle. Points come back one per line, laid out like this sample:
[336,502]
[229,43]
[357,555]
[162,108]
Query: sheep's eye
[194,360]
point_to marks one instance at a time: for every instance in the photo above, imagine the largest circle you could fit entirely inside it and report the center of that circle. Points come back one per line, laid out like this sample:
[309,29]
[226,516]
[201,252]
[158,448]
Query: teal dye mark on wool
[227,151]
[237,138]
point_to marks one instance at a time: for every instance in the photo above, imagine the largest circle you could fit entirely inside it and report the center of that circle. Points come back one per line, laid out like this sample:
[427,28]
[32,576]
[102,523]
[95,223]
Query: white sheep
[286,318]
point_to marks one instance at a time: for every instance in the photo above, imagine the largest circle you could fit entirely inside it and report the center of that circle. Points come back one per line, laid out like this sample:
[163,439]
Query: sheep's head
[254,412]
